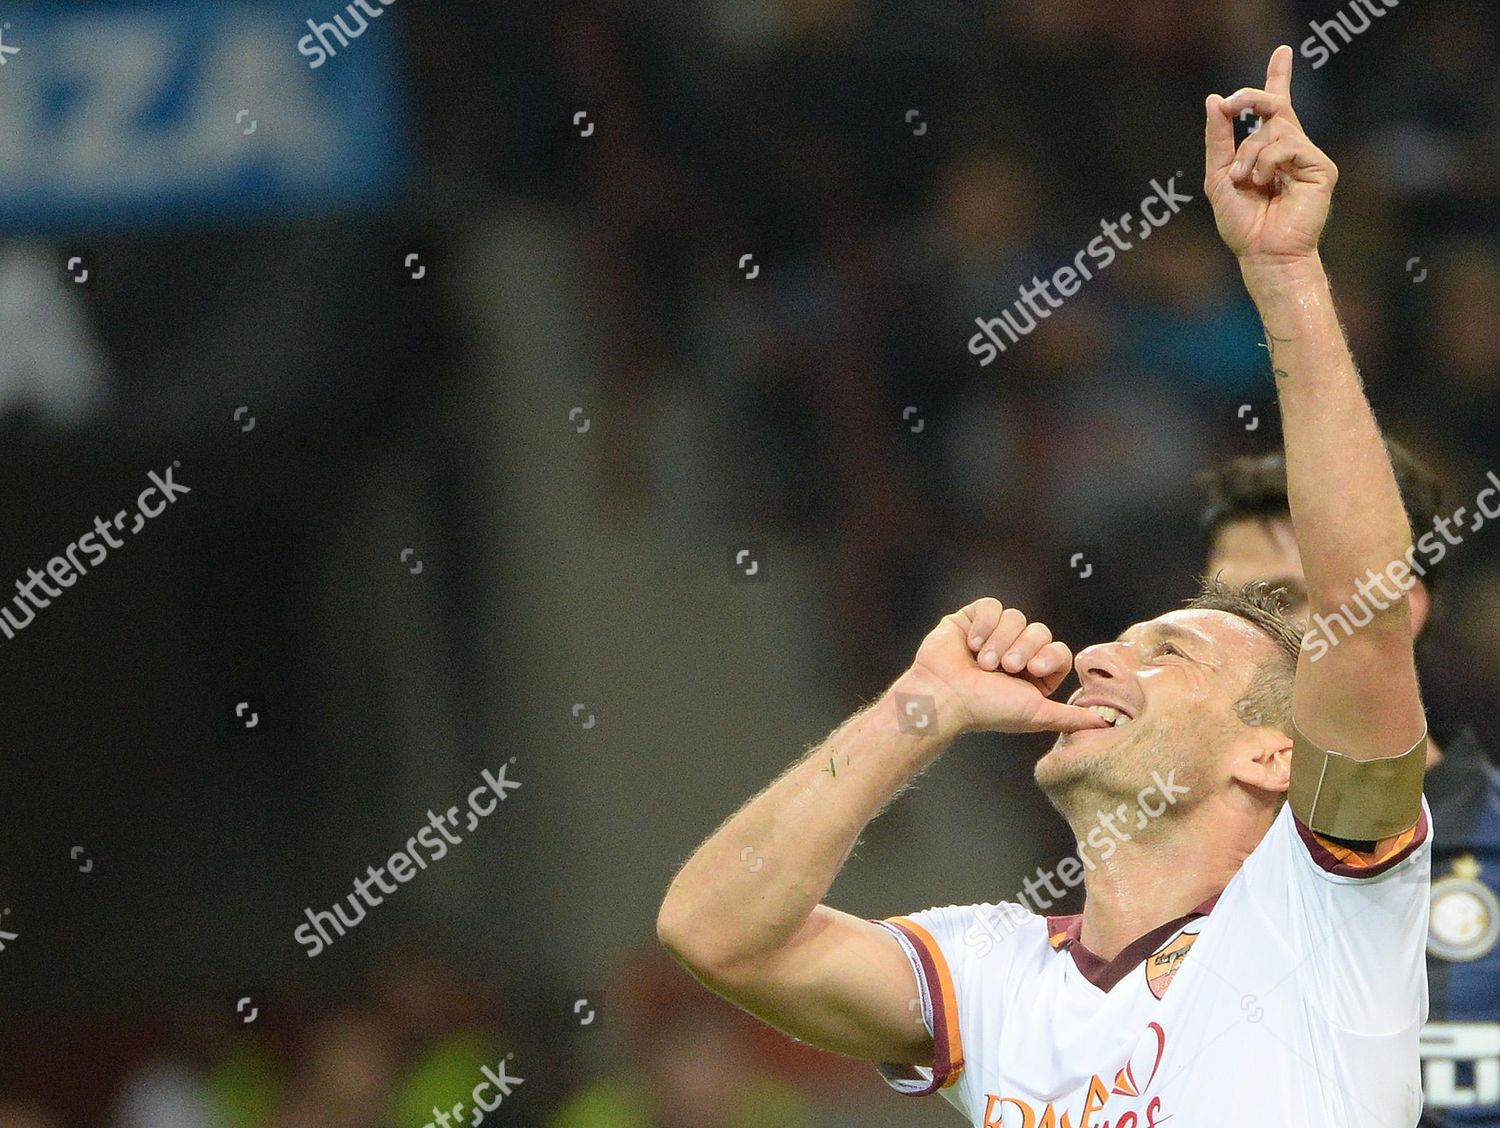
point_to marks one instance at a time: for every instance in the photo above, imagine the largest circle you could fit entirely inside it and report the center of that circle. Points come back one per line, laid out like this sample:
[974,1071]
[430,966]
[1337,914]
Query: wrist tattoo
[1270,346]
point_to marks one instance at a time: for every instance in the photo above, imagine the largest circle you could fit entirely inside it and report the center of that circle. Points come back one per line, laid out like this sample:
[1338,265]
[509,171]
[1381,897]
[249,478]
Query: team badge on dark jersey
[1465,921]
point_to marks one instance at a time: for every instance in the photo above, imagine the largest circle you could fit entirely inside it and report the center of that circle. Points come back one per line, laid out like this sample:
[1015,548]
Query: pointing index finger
[1279,72]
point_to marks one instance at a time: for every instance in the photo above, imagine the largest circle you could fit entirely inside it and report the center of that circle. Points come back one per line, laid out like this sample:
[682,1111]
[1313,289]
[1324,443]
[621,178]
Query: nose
[1102,661]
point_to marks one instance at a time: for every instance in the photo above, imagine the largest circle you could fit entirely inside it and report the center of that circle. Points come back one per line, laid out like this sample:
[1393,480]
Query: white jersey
[1292,998]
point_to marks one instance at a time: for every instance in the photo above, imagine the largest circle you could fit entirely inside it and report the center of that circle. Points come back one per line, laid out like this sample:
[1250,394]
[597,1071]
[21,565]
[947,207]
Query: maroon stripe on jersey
[943,1066]
[1066,932]
[1346,861]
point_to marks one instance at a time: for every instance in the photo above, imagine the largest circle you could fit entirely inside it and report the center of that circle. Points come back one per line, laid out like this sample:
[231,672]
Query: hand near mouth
[992,669]
[1113,712]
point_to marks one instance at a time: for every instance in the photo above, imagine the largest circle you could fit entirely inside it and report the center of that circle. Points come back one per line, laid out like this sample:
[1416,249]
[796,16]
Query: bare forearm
[754,883]
[1344,502]
[1351,528]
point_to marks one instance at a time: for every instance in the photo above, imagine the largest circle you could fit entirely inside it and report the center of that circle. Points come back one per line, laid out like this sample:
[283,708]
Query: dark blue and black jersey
[1461,1042]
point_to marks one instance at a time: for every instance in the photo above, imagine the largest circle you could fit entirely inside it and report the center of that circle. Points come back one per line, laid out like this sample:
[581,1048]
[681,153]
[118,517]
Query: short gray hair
[1268,700]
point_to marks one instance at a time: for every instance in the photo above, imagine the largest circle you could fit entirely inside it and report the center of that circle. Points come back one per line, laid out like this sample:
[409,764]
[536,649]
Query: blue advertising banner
[136,113]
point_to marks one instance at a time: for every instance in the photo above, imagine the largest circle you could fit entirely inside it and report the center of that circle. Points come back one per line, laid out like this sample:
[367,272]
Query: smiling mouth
[1114,716]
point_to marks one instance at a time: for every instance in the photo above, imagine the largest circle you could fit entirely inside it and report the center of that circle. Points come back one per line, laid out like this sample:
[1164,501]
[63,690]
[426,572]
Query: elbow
[680,933]
[1378,605]
[670,931]
[697,942]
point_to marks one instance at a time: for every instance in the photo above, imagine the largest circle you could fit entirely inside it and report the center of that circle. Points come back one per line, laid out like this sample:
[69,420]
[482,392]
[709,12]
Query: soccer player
[1249,954]
[1250,537]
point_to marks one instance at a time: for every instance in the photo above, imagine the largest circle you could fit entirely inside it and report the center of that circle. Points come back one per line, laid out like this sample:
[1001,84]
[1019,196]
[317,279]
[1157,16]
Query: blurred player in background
[1250,537]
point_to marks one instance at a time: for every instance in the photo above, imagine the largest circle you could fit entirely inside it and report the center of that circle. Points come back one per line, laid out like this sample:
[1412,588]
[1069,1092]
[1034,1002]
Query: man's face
[1178,678]
[1262,548]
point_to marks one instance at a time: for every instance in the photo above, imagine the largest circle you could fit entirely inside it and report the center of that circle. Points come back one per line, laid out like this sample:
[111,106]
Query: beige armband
[1358,800]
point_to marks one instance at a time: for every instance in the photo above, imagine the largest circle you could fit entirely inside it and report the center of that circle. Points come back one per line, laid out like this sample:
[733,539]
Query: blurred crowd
[408,1046]
[897,170]
[413,1035]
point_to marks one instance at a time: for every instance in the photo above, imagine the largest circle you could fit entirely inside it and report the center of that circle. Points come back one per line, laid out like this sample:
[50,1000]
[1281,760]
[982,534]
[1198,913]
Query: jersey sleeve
[957,955]
[1355,920]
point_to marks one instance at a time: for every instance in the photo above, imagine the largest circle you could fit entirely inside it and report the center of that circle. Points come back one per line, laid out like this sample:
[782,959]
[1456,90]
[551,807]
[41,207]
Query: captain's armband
[1356,800]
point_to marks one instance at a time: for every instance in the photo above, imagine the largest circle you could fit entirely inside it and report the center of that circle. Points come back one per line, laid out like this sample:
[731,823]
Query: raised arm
[1356,692]
[745,913]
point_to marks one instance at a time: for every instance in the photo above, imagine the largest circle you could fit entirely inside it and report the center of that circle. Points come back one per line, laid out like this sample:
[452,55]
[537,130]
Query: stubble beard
[1081,783]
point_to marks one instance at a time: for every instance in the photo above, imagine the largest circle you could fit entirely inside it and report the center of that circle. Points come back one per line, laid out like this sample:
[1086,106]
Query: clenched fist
[998,671]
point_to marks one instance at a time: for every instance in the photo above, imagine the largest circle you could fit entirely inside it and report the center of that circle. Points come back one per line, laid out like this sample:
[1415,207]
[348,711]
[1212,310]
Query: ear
[1264,760]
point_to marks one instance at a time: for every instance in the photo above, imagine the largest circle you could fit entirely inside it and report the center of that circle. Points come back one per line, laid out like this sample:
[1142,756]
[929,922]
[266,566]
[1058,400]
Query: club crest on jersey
[1162,966]
[1464,924]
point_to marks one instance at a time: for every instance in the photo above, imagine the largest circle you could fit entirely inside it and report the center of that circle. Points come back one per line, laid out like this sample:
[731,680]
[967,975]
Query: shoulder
[1291,848]
[962,957]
